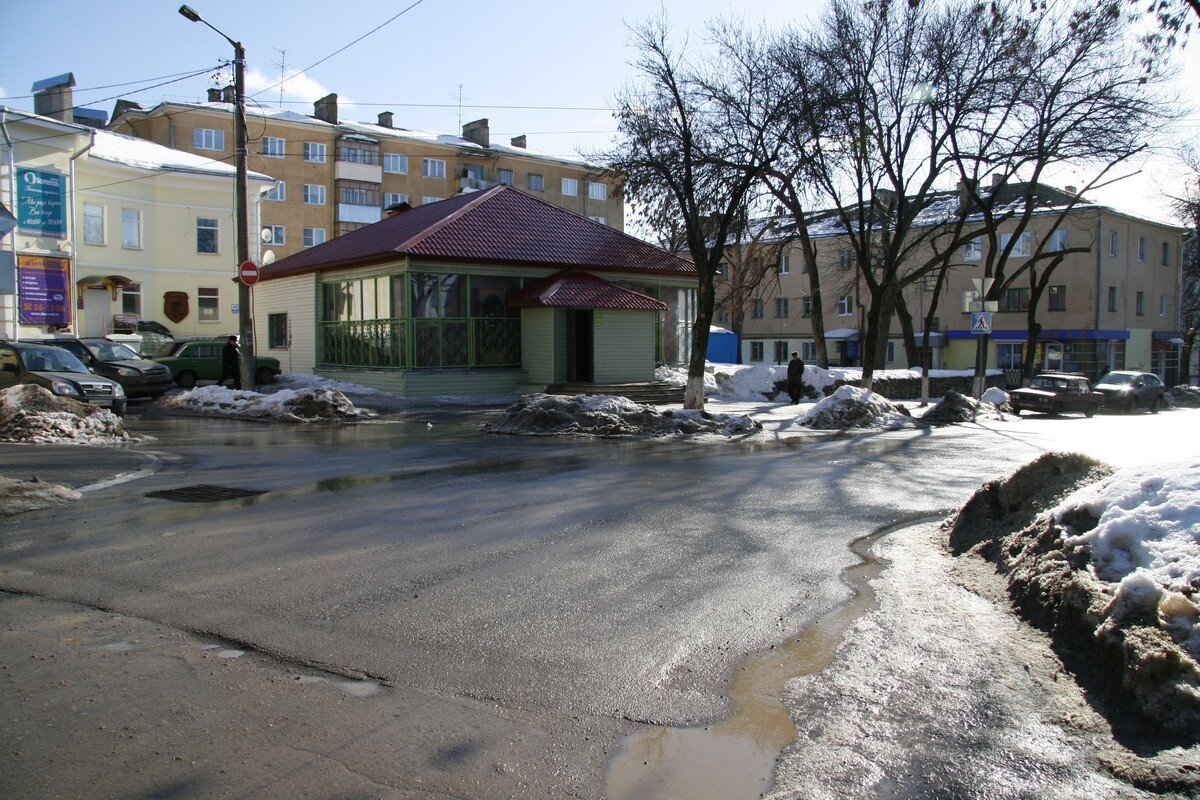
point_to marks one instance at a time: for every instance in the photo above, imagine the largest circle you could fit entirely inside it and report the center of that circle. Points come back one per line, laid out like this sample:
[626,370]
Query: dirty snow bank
[1111,568]
[955,407]
[21,496]
[605,415]
[855,407]
[1184,396]
[318,404]
[32,414]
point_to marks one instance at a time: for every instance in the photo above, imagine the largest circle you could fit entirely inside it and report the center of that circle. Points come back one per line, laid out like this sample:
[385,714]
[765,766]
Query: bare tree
[681,146]
[1187,208]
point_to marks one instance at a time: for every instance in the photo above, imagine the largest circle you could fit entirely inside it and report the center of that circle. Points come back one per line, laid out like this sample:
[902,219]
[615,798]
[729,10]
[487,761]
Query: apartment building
[334,176]
[1113,306]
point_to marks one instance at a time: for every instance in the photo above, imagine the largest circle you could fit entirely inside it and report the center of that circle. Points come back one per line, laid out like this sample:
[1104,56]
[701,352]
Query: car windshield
[52,360]
[1044,382]
[112,351]
[1113,379]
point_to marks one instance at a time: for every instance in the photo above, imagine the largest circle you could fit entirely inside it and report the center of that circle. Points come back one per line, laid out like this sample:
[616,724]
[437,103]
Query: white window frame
[601,220]
[597,191]
[313,236]
[1022,248]
[973,250]
[785,264]
[505,176]
[314,194]
[133,292]
[208,304]
[427,200]
[208,139]
[278,193]
[570,187]
[88,238]
[131,216]
[273,147]
[808,351]
[395,163]
[315,152]
[215,227]
[1058,241]
[278,234]
[433,168]
[394,198]
[535,182]
[756,352]
[845,306]
[1141,253]
[1112,243]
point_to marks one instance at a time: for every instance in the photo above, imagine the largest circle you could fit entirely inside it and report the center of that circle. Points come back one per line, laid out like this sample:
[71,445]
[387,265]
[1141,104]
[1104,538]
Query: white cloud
[298,86]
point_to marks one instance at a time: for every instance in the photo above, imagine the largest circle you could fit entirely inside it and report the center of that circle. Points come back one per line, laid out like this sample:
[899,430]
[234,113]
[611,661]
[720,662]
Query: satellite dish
[268,257]
[266,234]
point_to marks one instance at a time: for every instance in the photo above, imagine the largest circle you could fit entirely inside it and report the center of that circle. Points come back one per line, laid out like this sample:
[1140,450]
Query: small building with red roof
[484,293]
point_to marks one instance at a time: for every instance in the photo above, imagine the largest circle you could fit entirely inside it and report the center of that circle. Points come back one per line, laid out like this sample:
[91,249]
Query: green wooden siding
[624,344]
[539,347]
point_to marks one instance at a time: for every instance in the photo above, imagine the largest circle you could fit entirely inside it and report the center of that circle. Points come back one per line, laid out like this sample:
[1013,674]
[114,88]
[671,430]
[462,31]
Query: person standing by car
[795,378]
[231,363]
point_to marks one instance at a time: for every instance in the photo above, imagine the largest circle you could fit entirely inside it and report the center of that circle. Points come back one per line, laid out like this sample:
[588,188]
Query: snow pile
[288,405]
[1185,396]
[677,376]
[995,396]
[955,407]
[30,413]
[855,407]
[605,415]
[20,496]
[298,381]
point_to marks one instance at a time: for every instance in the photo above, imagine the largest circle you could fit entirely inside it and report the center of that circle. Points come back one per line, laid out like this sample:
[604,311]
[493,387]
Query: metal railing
[465,342]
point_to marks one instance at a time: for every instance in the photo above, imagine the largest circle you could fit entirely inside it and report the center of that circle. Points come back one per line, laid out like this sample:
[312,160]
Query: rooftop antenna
[282,64]
[460,88]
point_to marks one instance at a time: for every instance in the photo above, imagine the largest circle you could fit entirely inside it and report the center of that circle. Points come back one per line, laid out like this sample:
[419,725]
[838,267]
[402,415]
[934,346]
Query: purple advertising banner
[42,285]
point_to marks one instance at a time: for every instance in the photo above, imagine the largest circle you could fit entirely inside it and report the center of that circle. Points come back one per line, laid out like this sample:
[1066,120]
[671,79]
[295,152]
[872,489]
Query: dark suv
[59,371]
[139,377]
[1127,390]
[1056,393]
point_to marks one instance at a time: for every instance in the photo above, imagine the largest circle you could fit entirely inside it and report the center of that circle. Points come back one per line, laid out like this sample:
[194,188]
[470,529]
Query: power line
[188,74]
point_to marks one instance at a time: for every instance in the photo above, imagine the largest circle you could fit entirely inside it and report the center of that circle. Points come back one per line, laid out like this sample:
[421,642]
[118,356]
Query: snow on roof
[433,137]
[131,151]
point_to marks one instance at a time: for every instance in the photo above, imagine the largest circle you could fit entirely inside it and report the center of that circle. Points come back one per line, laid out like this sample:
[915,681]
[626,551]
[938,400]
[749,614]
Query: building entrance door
[1054,356]
[580,346]
[95,312]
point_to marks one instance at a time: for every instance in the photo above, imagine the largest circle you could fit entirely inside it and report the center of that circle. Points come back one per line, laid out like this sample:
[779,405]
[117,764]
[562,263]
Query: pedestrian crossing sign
[981,322]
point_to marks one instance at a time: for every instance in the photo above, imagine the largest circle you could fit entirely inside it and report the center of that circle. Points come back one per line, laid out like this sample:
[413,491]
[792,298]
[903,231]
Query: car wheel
[1016,409]
[1154,405]
[1131,406]
[1058,409]
[1089,412]
[186,379]
[264,376]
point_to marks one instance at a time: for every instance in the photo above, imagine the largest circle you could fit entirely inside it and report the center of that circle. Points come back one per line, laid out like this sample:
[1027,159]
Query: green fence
[421,343]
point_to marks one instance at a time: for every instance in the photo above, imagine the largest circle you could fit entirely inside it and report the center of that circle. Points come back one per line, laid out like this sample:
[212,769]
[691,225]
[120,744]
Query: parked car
[200,360]
[1056,393]
[1127,390]
[139,377]
[59,371]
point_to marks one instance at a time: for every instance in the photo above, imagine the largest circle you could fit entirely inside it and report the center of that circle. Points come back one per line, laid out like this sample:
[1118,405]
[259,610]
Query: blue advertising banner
[42,203]
[42,285]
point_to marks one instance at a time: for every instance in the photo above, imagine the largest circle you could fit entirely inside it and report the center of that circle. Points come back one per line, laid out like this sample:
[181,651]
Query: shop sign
[42,203]
[43,285]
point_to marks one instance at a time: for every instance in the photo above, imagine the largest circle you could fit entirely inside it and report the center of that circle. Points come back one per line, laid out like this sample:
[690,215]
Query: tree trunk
[1185,357]
[911,349]
[693,394]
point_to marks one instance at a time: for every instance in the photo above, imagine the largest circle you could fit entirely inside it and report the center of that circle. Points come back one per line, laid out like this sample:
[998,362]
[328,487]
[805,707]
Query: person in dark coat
[795,378]
[231,363]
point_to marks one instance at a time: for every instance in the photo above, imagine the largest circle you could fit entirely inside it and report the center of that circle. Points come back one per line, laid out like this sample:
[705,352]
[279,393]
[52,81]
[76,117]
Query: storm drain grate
[204,493]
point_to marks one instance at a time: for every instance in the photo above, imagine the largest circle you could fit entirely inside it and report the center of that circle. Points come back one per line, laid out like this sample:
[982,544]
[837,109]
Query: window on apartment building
[206,235]
[756,308]
[427,200]
[597,191]
[785,265]
[845,259]
[969,298]
[394,199]
[131,228]
[208,139]
[1141,248]
[273,234]
[433,168]
[808,351]
[395,163]
[1058,297]
[570,187]
[722,315]
[756,351]
[806,306]
[535,183]
[781,307]
[1015,300]
[131,300]
[1022,247]
[1140,306]
[973,250]
[1112,298]
[1058,241]
[93,223]
[358,193]
[1166,254]
[349,227]
[845,305]
[781,351]
[314,236]
[314,194]
[1112,243]
[1162,305]
[208,304]
[1008,355]
[278,192]
[601,220]
[505,176]
[358,152]
[277,331]
[273,147]
[314,152]
[473,171]
[891,353]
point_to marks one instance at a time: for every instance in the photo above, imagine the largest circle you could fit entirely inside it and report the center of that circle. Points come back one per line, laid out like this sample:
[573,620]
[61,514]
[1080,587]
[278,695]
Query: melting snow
[290,405]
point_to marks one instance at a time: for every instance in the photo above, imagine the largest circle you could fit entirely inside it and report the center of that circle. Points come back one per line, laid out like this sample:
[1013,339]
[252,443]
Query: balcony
[349,212]
[356,171]
[475,184]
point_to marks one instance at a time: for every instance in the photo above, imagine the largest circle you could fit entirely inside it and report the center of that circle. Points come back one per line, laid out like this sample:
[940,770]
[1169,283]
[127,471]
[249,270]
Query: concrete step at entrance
[649,393]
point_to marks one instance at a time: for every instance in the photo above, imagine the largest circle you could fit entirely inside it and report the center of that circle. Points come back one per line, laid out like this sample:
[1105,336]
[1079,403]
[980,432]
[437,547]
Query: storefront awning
[578,289]
[841,333]
[106,282]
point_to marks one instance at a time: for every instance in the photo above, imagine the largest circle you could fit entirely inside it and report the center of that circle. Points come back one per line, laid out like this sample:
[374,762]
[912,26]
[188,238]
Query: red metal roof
[499,226]
[575,289]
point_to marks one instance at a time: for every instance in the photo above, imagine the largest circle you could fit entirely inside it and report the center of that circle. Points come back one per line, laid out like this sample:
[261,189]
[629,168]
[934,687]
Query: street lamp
[245,323]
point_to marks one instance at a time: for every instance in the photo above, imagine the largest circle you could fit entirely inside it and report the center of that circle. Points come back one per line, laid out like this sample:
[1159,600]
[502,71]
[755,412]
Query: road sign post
[248,273]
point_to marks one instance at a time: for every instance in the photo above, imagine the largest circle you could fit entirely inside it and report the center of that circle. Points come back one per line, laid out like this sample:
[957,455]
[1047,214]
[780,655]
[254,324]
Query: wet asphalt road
[579,583]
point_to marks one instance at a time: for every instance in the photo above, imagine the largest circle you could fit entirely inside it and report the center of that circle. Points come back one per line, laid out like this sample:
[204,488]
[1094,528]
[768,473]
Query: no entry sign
[248,273]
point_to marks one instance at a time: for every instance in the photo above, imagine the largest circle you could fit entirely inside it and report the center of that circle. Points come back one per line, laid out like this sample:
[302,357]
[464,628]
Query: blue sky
[545,68]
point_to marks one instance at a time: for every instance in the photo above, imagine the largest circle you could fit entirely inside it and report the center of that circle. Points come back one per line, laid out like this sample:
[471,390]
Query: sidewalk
[70,465]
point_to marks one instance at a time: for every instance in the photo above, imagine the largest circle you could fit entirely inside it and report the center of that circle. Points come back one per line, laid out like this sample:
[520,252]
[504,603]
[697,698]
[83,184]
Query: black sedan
[1128,391]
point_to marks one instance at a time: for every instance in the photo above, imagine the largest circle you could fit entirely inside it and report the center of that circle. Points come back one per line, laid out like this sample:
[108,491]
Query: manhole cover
[203,493]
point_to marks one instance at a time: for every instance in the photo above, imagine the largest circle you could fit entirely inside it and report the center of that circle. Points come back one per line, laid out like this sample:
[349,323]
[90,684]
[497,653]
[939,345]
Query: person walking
[231,363]
[795,378]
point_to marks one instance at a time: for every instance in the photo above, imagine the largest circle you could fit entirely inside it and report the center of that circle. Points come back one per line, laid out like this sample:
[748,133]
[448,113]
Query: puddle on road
[736,758]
